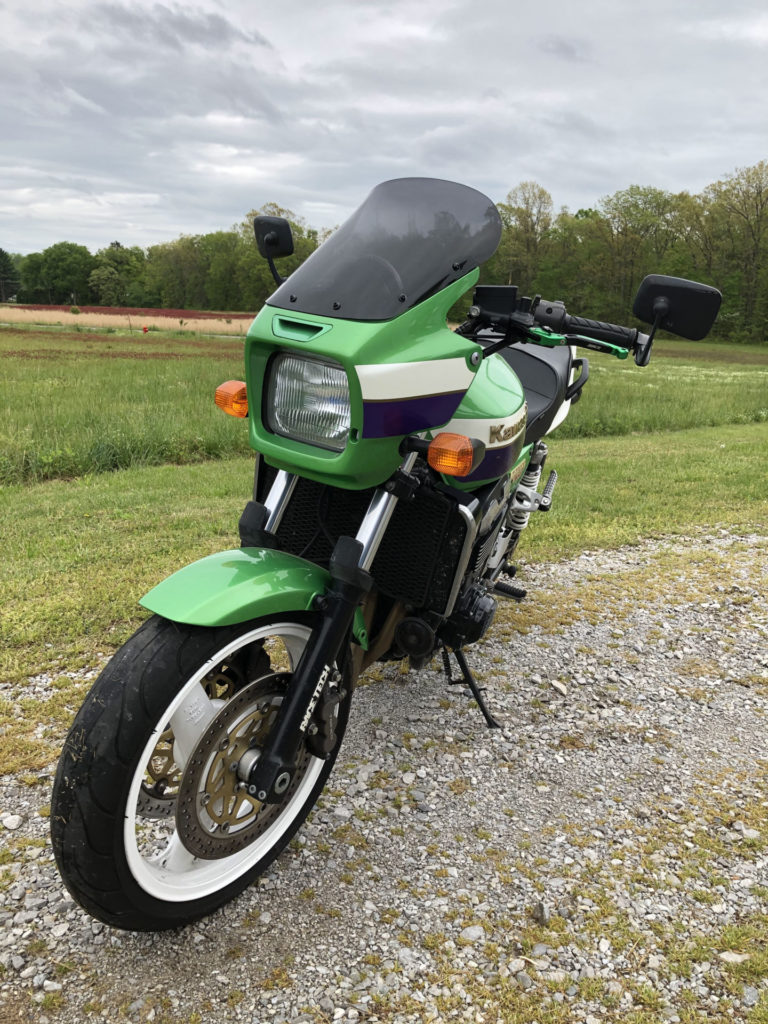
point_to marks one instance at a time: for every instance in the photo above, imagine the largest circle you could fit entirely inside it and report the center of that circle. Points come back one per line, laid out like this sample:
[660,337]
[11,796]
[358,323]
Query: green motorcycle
[398,463]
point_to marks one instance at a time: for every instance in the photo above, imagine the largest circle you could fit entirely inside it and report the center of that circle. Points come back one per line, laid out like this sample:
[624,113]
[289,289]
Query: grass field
[85,403]
[79,552]
[686,385]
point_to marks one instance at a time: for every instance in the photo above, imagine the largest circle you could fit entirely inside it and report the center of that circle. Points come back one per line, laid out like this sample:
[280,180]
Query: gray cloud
[565,48]
[161,25]
[147,120]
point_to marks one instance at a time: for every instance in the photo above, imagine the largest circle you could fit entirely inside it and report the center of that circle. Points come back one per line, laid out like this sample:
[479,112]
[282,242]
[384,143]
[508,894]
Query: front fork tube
[268,773]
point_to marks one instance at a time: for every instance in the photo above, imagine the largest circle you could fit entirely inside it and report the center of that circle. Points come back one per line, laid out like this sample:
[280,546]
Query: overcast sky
[141,121]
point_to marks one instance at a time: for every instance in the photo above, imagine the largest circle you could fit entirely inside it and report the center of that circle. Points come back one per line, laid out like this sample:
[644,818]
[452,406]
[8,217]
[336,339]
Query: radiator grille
[417,560]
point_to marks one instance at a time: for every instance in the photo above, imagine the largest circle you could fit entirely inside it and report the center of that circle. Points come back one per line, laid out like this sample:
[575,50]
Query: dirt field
[236,324]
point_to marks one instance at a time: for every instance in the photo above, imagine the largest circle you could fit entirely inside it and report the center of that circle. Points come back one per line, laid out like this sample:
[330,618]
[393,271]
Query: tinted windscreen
[409,239]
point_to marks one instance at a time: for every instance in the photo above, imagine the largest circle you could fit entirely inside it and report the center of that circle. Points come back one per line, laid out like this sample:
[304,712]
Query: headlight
[308,400]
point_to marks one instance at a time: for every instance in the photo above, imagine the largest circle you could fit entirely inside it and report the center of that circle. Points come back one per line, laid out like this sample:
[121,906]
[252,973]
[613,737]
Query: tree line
[594,258]
[221,270]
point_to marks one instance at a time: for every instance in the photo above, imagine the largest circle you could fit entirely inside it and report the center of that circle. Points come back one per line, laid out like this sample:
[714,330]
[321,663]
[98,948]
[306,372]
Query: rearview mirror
[673,304]
[273,237]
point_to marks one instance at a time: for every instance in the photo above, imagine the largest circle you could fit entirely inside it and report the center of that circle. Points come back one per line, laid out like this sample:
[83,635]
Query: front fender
[235,586]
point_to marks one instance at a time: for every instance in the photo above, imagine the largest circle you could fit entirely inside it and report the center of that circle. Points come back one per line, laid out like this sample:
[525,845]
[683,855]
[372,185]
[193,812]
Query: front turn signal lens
[455,454]
[232,398]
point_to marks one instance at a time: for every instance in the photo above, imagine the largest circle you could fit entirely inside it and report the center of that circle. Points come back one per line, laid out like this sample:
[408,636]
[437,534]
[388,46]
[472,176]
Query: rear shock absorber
[516,519]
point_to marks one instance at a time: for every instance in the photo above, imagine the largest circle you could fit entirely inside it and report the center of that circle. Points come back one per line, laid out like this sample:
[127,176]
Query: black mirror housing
[681,307]
[273,237]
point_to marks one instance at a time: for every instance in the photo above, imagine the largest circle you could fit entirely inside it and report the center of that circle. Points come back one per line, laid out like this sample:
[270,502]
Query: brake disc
[215,816]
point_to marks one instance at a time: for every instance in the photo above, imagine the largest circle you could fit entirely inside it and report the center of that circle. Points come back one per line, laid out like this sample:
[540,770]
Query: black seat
[545,374]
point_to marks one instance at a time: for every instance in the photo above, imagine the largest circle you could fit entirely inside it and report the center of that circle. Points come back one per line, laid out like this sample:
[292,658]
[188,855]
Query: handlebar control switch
[552,315]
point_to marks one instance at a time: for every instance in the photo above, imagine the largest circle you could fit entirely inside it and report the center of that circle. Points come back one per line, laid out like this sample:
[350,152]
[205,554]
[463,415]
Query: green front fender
[246,583]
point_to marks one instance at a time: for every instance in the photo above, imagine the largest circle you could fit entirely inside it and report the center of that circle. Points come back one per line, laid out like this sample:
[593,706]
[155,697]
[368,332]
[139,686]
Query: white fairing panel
[565,408]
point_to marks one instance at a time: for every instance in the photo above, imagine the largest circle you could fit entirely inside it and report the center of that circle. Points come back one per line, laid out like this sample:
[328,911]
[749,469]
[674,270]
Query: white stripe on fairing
[481,429]
[386,382]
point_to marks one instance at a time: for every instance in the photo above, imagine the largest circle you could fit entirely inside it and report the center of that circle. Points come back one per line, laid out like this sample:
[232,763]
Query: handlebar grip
[624,336]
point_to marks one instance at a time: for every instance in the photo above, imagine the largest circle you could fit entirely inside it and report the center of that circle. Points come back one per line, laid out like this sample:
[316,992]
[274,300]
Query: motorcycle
[398,464]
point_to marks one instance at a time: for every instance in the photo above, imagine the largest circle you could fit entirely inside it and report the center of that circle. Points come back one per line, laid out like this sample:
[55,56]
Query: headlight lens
[308,400]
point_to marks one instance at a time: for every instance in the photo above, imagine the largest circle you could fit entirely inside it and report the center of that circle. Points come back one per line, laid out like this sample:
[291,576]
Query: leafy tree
[105,281]
[64,271]
[10,279]
[175,273]
[33,285]
[221,254]
[740,206]
[118,278]
[527,217]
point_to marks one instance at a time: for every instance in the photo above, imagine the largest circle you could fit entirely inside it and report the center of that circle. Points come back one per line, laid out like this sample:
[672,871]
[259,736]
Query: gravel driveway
[603,858]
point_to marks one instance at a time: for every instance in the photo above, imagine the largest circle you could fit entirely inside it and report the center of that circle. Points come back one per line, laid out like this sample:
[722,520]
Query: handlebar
[624,336]
[553,315]
[541,313]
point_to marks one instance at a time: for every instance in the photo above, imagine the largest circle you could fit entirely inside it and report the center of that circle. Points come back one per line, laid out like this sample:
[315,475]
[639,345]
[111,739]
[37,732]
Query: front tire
[148,827]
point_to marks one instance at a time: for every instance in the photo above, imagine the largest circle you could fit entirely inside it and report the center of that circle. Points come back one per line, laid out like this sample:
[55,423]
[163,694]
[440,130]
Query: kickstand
[468,680]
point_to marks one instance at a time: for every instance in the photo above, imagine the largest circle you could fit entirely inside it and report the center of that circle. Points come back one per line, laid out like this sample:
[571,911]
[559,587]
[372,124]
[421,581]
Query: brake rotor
[215,816]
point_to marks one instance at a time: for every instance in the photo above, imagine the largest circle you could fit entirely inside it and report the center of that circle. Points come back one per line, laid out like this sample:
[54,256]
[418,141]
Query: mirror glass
[273,237]
[686,308]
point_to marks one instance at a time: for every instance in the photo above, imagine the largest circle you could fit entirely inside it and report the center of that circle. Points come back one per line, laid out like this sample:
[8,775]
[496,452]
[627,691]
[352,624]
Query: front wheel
[149,825]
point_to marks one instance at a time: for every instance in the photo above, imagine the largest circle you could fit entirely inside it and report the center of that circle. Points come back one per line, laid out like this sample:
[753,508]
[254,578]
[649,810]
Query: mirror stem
[273,268]
[643,348]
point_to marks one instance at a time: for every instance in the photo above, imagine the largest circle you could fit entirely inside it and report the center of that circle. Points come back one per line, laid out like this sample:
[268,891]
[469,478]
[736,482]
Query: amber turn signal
[232,398]
[454,454]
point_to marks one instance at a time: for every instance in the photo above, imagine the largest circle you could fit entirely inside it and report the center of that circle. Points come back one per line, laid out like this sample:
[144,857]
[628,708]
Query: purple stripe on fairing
[496,463]
[408,415]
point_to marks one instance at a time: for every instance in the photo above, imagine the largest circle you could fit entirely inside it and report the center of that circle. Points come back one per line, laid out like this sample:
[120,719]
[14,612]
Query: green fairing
[420,334]
[235,586]
[495,392]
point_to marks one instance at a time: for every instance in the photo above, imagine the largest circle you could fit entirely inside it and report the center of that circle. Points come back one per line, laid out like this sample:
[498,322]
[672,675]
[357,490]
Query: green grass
[618,490]
[78,554]
[74,403]
[685,385]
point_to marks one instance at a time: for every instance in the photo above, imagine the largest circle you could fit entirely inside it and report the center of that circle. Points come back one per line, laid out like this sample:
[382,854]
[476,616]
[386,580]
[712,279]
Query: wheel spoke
[175,858]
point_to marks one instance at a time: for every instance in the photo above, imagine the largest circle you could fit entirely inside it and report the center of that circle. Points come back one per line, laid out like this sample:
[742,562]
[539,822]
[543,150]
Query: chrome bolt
[282,782]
